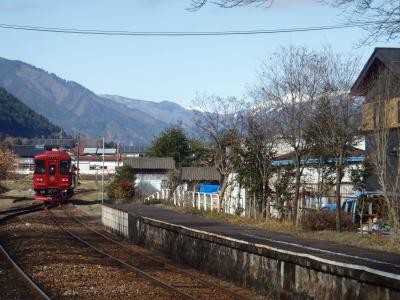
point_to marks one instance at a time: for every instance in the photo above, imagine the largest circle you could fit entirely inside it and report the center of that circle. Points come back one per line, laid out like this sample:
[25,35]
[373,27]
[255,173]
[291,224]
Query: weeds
[383,243]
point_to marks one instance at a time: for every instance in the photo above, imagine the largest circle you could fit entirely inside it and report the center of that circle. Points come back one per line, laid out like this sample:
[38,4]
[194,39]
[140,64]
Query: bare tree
[383,16]
[8,163]
[254,155]
[381,119]
[197,4]
[335,120]
[218,123]
[290,81]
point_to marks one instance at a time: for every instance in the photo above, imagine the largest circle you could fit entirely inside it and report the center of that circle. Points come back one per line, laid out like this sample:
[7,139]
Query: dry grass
[16,192]
[88,197]
[383,243]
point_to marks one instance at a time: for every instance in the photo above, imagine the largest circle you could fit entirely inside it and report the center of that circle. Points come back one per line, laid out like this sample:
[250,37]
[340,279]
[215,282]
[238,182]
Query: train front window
[40,166]
[64,167]
[52,169]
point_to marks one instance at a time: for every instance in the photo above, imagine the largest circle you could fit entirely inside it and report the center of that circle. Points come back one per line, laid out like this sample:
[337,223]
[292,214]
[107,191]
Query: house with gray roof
[192,177]
[151,172]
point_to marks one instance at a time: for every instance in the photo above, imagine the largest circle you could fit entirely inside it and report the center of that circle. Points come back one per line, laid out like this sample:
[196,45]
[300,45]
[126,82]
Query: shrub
[317,220]
[110,189]
[121,190]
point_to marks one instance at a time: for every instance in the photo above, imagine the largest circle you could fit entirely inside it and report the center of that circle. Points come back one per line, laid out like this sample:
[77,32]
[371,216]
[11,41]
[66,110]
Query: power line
[183,33]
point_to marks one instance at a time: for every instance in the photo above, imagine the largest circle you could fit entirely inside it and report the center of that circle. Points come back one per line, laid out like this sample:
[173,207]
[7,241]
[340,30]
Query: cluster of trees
[302,101]
[18,120]
[174,142]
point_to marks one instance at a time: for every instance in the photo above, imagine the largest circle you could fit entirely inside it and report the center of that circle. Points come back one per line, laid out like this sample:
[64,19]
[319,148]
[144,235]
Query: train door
[52,173]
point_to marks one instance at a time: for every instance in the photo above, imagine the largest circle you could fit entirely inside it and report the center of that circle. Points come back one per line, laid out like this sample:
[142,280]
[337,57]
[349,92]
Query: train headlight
[39,179]
[64,179]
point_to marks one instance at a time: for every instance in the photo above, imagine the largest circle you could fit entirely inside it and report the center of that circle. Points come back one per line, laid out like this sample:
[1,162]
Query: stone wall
[273,272]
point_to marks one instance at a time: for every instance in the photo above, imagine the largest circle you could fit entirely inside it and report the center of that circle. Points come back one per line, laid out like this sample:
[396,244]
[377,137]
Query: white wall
[85,167]
[235,196]
[150,183]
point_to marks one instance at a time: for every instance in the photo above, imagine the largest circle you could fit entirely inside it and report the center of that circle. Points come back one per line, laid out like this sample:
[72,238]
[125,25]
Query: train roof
[53,154]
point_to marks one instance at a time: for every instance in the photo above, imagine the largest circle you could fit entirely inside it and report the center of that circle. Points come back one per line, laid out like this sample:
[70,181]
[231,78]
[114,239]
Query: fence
[211,201]
[205,201]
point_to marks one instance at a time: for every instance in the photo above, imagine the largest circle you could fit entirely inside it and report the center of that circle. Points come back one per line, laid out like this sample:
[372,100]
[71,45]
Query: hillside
[165,111]
[18,120]
[76,108]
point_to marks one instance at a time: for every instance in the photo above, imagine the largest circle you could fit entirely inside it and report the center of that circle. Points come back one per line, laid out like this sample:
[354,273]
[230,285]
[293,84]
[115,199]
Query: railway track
[14,212]
[7,215]
[178,281]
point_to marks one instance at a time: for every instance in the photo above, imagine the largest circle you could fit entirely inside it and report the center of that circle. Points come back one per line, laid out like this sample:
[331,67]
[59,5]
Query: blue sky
[164,68]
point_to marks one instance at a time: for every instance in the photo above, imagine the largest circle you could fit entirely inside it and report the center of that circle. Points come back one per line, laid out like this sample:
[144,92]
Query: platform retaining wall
[273,272]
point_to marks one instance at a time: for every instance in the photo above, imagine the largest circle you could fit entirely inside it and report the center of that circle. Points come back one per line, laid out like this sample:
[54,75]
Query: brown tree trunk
[297,190]
[337,191]
[222,193]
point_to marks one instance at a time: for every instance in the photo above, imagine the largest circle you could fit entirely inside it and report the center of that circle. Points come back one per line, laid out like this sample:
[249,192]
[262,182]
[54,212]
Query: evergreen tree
[172,142]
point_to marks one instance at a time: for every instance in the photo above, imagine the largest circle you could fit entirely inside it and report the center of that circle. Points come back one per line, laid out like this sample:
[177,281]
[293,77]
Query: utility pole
[77,163]
[118,156]
[102,178]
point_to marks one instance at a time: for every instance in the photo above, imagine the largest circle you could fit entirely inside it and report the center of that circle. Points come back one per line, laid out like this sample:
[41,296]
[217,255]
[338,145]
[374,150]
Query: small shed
[193,177]
[151,172]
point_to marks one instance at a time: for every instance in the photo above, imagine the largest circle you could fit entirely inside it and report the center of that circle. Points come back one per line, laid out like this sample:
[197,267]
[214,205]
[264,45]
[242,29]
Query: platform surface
[376,260]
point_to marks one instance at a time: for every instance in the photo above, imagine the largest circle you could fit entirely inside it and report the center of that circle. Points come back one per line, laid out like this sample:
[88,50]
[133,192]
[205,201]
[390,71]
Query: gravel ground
[188,280]
[12,286]
[67,269]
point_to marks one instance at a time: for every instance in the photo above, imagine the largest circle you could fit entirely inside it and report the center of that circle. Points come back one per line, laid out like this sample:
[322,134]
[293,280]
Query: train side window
[65,167]
[52,169]
[40,166]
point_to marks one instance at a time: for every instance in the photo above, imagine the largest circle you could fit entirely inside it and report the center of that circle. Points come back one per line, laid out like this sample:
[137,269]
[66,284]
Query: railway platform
[270,262]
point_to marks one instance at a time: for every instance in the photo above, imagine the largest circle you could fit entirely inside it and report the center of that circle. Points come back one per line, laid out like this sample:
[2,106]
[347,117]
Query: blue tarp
[209,188]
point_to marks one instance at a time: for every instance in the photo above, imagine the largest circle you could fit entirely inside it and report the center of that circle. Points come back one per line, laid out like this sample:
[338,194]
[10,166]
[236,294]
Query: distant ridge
[18,120]
[77,109]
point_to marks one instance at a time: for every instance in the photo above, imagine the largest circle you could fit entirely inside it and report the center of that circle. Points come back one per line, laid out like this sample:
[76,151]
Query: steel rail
[137,270]
[11,213]
[32,285]
[11,210]
[166,265]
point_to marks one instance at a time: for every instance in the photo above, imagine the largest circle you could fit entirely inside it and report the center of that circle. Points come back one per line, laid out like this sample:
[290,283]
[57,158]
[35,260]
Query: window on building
[40,166]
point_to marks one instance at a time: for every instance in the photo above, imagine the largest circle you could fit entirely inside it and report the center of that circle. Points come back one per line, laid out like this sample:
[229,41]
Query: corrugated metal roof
[151,163]
[89,150]
[200,174]
[27,150]
[106,151]
[132,149]
[64,143]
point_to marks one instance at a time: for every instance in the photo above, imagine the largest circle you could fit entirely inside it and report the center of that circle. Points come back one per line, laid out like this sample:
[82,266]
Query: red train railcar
[54,176]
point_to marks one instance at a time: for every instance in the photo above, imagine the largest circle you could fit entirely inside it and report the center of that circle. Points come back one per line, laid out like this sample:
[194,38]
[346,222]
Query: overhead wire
[182,33]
